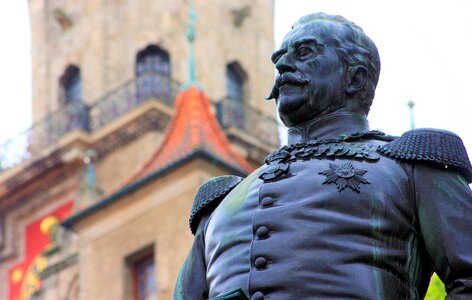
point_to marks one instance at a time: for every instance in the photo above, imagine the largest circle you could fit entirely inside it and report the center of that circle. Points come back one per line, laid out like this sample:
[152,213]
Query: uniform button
[267,201]
[262,231]
[260,262]
[257,296]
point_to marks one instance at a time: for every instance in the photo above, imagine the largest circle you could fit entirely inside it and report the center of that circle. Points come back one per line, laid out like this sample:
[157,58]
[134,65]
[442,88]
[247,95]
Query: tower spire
[191,35]
[411,105]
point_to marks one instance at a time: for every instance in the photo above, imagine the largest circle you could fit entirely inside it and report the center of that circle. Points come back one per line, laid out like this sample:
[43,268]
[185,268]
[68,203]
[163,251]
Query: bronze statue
[341,212]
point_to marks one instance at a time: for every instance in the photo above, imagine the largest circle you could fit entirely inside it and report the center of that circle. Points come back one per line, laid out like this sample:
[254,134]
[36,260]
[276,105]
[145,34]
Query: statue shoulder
[438,148]
[209,195]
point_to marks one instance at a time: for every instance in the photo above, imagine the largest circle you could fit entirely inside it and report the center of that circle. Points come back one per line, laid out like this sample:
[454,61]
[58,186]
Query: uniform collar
[330,125]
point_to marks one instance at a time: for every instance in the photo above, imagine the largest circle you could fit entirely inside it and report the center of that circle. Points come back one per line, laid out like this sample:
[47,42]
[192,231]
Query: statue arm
[444,202]
[191,283]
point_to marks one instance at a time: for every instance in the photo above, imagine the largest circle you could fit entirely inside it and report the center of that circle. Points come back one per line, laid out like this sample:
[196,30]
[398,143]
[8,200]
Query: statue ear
[357,80]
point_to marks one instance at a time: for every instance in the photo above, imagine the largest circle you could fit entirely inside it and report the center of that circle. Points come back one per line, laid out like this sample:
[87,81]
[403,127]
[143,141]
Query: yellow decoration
[47,224]
[17,275]
[30,286]
[41,263]
[32,280]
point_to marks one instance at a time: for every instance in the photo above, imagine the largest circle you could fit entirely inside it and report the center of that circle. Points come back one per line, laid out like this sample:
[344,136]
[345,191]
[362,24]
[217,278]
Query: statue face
[311,76]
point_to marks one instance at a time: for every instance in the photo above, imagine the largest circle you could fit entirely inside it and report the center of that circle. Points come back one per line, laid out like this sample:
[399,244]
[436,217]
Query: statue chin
[296,111]
[295,118]
[291,107]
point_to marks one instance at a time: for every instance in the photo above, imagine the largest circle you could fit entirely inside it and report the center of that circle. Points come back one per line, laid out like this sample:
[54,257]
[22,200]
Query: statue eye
[304,51]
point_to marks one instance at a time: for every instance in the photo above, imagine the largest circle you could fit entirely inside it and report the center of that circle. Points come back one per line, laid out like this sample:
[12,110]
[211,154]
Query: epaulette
[209,195]
[439,148]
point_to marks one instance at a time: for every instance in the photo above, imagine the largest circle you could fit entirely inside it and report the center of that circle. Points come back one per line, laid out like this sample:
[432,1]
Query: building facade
[95,196]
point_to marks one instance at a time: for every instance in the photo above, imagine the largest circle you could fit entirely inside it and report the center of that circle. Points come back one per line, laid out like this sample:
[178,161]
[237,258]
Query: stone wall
[153,217]
[103,37]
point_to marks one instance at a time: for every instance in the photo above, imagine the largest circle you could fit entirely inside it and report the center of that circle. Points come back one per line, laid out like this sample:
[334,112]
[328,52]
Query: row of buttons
[262,232]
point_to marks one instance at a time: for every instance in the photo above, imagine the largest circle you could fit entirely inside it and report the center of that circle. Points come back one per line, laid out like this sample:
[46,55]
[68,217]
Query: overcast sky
[425,49]
[15,68]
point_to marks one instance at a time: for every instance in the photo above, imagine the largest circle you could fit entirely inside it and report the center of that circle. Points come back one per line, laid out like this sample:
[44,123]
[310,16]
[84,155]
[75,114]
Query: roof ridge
[193,127]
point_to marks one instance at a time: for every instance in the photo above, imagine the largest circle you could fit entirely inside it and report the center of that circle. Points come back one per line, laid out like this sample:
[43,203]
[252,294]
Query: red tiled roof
[193,128]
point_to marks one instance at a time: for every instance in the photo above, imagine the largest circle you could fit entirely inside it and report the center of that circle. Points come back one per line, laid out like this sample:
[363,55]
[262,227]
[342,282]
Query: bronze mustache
[290,78]
[286,78]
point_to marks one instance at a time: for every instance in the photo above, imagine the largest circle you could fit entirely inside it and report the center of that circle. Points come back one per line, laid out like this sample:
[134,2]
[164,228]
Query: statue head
[325,64]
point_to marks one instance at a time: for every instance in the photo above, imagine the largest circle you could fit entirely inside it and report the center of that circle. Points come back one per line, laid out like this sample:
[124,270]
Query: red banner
[24,277]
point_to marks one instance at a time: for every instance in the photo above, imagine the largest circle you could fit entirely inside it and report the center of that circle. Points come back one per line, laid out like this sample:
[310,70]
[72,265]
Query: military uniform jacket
[340,213]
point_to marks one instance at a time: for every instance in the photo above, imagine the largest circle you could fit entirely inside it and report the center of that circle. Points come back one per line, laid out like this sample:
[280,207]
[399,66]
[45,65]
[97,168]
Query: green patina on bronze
[236,197]
[327,74]
[413,266]
[179,289]
[376,225]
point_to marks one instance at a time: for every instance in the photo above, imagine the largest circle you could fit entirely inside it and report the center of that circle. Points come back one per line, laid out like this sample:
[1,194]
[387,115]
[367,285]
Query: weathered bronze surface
[341,212]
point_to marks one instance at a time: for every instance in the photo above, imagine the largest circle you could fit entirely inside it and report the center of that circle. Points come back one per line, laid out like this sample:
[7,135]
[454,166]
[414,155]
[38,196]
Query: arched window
[75,114]
[153,74]
[235,81]
[71,85]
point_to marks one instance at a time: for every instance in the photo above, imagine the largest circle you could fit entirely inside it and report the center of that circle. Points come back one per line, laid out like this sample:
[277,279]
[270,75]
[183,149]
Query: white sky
[425,49]
[15,68]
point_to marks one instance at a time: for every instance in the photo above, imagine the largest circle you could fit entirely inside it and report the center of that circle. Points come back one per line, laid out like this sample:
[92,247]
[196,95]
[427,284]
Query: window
[141,281]
[153,74]
[75,116]
[144,275]
[235,87]
[71,86]
[235,81]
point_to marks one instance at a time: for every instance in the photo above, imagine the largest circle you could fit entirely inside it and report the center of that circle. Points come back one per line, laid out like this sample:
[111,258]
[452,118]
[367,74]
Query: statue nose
[284,64]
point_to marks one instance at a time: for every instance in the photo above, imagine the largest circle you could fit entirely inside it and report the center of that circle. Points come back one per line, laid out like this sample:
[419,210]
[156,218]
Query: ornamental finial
[191,35]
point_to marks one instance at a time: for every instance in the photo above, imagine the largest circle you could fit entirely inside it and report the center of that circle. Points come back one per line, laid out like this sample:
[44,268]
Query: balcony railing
[264,128]
[129,96]
[31,142]
[79,115]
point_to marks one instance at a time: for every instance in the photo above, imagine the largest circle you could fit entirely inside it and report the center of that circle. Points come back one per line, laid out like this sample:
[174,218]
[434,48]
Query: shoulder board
[439,148]
[209,195]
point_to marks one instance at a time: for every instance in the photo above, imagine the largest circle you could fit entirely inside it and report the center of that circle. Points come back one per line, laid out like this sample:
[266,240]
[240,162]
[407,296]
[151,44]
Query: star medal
[345,176]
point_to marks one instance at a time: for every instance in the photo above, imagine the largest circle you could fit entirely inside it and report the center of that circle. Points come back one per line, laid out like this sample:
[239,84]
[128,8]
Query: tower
[105,44]
[106,76]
